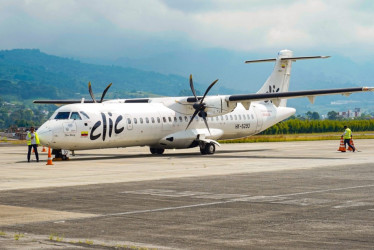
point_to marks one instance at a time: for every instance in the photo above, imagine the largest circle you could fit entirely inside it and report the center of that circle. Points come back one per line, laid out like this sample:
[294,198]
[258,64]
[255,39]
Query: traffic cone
[351,142]
[49,162]
[44,150]
[341,147]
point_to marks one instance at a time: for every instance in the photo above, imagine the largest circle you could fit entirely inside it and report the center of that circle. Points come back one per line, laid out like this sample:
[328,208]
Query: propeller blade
[192,87]
[193,116]
[106,89]
[90,90]
[203,115]
[207,90]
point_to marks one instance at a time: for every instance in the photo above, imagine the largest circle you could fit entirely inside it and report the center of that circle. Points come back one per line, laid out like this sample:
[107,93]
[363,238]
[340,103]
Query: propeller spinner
[200,106]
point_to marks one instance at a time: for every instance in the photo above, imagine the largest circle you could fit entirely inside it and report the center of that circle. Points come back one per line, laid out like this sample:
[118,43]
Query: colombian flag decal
[84,133]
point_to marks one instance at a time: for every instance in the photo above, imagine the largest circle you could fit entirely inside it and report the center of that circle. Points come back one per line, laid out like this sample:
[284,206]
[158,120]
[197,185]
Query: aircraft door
[259,119]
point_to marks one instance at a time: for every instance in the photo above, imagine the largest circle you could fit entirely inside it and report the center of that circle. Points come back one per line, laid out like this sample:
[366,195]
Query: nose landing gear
[60,154]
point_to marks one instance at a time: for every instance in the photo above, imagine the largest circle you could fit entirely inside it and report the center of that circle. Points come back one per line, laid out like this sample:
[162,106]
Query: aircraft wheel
[202,150]
[157,151]
[208,149]
[160,151]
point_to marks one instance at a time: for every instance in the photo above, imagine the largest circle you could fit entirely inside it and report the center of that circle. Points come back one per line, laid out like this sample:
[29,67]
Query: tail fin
[279,80]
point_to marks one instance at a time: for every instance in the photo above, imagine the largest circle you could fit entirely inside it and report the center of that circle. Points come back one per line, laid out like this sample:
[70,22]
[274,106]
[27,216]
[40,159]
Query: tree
[315,116]
[332,115]
[312,115]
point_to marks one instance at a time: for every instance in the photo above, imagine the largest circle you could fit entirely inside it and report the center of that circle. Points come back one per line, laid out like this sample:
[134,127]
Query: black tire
[157,151]
[153,151]
[202,151]
[210,148]
[160,151]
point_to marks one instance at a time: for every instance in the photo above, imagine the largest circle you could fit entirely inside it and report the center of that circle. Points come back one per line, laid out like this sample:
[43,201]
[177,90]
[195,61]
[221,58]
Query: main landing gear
[157,151]
[207,148]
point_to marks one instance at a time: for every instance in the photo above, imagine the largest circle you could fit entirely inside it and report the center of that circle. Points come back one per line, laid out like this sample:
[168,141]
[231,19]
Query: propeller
[200,106]
[102,96]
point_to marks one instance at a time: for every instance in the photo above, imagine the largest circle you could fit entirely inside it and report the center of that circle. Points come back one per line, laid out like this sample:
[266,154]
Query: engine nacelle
[215,105]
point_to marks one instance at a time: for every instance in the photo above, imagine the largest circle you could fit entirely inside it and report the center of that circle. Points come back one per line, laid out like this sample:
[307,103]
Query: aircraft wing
[64,102]
[311,94]
[60,101]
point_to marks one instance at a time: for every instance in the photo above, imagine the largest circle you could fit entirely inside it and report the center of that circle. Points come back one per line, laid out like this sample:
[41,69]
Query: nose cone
[45,135]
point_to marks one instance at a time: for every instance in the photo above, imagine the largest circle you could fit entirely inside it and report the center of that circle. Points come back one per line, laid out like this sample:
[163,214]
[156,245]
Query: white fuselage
[106,125]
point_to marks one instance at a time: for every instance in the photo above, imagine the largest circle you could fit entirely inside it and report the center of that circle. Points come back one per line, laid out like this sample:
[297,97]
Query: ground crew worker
[32,142]
[347,136]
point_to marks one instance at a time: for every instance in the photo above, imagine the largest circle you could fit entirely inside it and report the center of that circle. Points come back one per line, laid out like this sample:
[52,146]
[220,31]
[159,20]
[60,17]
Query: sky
[109,29]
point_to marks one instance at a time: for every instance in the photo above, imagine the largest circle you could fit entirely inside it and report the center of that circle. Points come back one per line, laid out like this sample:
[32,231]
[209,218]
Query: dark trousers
[36,152]
[348,141]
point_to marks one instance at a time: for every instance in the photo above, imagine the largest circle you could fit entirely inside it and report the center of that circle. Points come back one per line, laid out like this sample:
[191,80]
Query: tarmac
[284,195]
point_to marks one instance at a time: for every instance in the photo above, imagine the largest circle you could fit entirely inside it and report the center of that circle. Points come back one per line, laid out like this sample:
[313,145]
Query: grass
[18,236]
[299,137]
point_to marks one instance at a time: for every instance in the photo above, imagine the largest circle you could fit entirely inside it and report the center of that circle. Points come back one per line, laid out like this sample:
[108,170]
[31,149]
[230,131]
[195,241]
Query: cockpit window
[62,116]
[75,116]
[84,115]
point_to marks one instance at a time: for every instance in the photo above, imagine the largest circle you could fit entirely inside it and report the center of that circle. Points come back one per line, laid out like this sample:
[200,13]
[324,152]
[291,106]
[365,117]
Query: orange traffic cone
[44,150]
[49,162]
[351,142]
[341,147]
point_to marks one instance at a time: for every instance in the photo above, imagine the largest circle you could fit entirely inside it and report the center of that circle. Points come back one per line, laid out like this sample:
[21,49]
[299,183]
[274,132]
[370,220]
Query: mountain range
[27,74]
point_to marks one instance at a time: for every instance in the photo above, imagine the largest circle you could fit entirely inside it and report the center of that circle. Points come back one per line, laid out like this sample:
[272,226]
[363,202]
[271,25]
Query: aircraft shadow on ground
[219,155]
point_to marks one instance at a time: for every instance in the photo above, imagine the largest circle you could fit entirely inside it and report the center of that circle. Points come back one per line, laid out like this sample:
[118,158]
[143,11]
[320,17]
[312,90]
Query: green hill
[31,74]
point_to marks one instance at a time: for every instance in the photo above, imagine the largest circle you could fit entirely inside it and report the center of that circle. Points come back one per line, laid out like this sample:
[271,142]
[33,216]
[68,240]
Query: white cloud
[115,25]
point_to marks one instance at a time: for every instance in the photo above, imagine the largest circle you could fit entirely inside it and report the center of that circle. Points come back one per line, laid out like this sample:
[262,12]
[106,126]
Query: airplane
[176,122]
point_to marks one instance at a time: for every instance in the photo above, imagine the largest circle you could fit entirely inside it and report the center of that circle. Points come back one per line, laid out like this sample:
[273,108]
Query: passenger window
[231,117]
[62,116]
[153,120]
[164,119]
[252,117]
[84,115]
[141,120]
[75,116]
[185,119]
[227,117]
[180,119]
[235,117]
[248,117]
[128,120]
[158,119]
[240,117]
[146,120]
[169,119]
[175,119]
[135,121]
